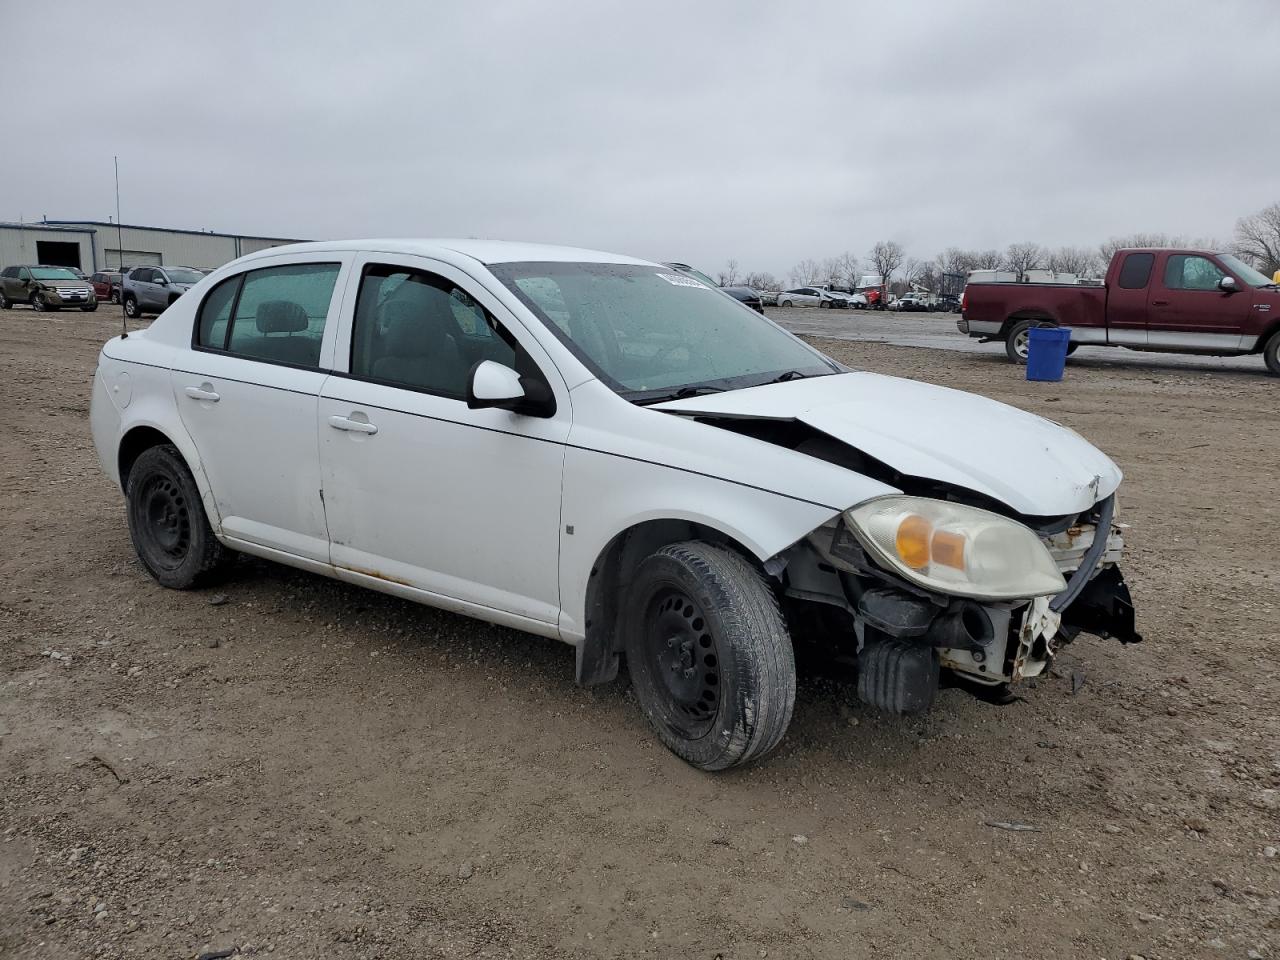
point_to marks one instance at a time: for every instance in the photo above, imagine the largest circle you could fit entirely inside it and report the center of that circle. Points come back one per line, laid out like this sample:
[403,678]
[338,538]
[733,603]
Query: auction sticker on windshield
[678,281]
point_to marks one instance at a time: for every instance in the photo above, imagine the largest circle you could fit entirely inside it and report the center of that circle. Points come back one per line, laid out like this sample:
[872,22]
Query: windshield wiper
[684,393]
[784,377]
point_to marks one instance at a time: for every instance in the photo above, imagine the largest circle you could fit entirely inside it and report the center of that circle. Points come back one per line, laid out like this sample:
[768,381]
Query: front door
[248,394]
[419,489]
[1189,310]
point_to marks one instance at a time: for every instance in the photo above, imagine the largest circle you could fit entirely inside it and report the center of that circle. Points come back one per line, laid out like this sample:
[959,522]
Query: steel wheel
[167,526]
[683,656]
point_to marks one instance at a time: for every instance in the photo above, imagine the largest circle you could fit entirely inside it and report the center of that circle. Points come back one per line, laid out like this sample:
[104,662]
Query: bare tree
[848,269]
[806,271]
[729,275]
[1021,257]
[930,277]
[1081,261]
[987,260]
[762,280]
[957,261]
[910,271]
[885,259]
[1108,248]
[1258,239]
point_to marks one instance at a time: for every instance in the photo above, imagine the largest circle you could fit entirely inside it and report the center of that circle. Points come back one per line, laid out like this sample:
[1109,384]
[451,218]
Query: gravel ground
[293,766]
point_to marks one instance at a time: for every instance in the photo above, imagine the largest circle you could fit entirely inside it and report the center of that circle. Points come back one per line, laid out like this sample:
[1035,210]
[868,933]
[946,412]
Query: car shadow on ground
[826,703]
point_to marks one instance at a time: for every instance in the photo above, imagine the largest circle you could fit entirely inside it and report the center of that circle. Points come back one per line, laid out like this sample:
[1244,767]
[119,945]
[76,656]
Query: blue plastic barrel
[1047,352]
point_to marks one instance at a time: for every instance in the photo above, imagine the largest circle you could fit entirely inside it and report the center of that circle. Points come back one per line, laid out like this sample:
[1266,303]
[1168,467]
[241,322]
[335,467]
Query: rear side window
[276,314]
[215,315]
[1135,272]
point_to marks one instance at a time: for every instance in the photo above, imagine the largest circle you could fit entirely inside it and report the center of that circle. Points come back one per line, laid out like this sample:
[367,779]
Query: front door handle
[203,392]
[1159,303]
[355,426]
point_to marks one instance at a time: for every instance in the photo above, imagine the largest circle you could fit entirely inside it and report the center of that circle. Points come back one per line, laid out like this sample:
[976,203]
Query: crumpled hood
[1037,467]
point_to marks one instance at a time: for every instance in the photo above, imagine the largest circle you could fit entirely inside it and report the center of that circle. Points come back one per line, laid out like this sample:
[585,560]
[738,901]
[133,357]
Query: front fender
[605,495]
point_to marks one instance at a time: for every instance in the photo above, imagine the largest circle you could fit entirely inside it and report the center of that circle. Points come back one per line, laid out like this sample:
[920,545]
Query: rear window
[1136,270]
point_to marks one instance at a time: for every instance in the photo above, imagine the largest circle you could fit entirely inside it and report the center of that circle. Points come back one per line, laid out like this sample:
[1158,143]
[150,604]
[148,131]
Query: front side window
[1189,272]
[275,314]
[648,332]
[142,275]
[417,330]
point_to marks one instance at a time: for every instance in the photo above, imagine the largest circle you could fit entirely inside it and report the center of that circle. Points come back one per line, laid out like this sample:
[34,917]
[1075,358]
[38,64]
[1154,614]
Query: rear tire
[5,302]
[1018,340]
[167,522]
[1271,353]
[115,296]
[709,655]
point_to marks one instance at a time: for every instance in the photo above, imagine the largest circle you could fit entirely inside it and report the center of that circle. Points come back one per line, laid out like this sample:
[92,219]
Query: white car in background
[805,297]
[598,449]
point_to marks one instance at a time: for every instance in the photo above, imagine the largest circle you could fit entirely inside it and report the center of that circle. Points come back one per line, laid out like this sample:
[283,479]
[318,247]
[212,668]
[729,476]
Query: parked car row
[140,289]
[820,296]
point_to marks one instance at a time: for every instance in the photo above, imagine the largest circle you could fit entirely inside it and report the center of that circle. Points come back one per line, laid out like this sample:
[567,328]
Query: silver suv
[153,289]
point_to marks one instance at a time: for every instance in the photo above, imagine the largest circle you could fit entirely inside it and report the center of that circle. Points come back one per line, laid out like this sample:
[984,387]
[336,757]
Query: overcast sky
[699,131]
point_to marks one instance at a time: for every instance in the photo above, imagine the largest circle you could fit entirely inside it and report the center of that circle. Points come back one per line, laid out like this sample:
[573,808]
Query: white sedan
[598,449]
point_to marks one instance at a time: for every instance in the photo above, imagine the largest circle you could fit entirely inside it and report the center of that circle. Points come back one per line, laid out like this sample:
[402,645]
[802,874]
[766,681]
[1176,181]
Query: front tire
[784,303]
[709,655]
[1271,353]
[38,303]
[167,522]
[131,308]
[89,307]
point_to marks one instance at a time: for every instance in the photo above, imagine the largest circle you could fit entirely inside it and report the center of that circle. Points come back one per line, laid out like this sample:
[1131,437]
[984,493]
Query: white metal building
[93,245]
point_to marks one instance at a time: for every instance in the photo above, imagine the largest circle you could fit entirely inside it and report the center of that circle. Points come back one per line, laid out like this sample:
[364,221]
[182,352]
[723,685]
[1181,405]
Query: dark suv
[45,288]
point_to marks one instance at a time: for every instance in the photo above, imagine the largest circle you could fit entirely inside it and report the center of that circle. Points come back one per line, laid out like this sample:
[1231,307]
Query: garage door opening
[58,253]
[131,258]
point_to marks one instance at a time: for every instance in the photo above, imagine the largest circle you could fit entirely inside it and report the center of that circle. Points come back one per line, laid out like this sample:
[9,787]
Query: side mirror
[1227,285]
[491,384]
[162,281]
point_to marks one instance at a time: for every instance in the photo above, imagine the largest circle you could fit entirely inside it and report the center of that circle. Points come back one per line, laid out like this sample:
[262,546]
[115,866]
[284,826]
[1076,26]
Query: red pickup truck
[1173,301]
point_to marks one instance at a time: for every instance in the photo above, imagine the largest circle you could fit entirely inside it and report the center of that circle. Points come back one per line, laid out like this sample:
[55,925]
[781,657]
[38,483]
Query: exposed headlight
[955,549]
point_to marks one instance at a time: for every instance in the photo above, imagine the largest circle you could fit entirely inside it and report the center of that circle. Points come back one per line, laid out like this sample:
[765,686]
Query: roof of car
[485,251]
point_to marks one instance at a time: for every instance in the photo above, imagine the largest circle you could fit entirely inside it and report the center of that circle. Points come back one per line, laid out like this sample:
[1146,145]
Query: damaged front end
[908,634]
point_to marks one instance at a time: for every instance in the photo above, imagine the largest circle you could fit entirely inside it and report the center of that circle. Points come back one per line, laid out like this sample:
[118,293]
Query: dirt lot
[311,770]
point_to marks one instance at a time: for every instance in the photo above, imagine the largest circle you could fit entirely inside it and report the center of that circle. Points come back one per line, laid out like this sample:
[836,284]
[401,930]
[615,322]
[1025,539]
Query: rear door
[1189,311]
[248,392]
[1127,309]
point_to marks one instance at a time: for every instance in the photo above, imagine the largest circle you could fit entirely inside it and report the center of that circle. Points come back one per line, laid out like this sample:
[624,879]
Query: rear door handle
[355,426]
[1159,303]
[203,392]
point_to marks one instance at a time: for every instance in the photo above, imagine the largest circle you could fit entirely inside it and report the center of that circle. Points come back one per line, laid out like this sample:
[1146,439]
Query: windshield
[183,275]
[649,332]
[53,273]
[1245,272]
